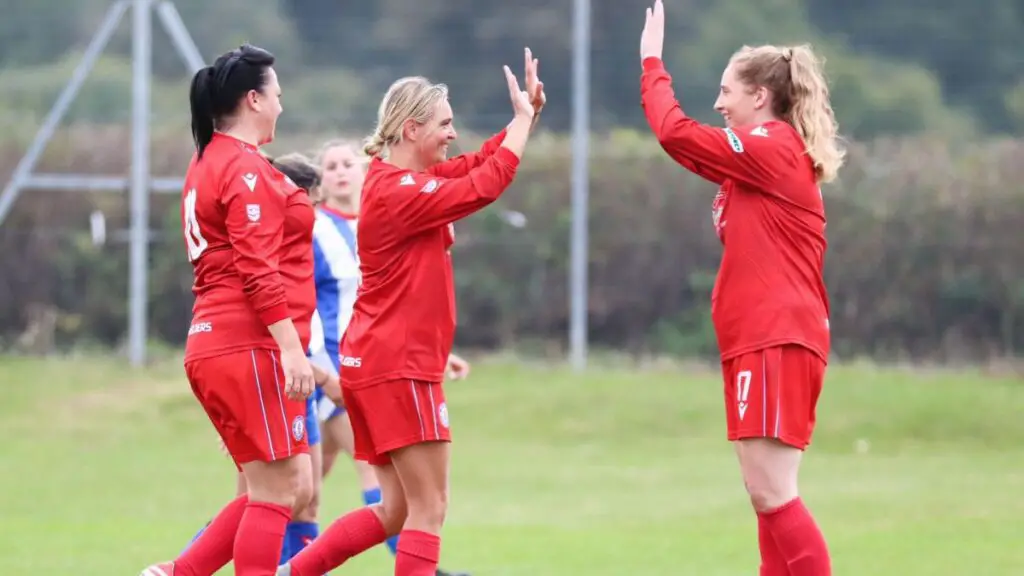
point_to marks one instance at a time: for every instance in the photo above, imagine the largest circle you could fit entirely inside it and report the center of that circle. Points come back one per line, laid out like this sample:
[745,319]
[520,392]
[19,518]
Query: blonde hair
[354,145]
[795,77]
[412,97]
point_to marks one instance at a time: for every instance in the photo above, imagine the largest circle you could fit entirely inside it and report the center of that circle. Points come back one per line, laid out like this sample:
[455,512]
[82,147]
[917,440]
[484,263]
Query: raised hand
[652,40]
[534,87]
[521,104]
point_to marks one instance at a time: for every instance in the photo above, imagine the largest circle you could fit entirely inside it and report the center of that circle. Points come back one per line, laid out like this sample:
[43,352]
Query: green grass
[618,472]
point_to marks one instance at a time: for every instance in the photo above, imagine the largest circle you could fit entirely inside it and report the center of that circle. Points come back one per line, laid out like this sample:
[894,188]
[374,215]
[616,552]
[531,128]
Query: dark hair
[299,168]
[216,90]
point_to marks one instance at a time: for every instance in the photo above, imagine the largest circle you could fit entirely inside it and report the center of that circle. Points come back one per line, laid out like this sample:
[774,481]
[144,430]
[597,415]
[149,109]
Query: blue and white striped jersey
[336,272]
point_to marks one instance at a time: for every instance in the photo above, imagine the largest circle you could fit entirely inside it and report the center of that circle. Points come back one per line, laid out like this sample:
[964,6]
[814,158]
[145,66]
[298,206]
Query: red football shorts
[243,394]
[395,414]
[773,393]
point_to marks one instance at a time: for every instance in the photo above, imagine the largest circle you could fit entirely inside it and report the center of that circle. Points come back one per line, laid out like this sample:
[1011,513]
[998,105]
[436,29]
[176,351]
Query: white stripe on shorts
[416,401]
[263,408]
[280,402]
[433,413]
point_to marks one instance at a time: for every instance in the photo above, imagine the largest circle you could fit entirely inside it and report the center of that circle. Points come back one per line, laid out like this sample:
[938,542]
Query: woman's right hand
[521,101]
[298,374]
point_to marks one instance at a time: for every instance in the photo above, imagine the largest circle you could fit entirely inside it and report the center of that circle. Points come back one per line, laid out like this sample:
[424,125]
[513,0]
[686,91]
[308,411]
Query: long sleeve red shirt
[403,323]
[248,234]
[769,215]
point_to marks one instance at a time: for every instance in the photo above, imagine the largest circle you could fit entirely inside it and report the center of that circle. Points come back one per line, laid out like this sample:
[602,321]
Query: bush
[924,257]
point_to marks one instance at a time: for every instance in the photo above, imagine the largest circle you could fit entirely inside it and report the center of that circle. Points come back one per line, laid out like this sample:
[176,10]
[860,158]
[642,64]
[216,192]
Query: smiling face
[433,136]
[739,103]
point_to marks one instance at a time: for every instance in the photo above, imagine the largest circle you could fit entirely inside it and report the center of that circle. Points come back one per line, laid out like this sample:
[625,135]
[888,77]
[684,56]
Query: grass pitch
[912,472]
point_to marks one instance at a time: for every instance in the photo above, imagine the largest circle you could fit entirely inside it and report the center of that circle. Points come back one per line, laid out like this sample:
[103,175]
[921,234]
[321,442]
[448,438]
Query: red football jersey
[769,215]
[403,322]
[249,236]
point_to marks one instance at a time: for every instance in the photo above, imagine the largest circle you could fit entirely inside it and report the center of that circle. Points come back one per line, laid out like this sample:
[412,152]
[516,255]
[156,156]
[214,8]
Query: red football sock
[418,553]
[799,540]
[348,536]
[772,562]
[214,547]
[259,539]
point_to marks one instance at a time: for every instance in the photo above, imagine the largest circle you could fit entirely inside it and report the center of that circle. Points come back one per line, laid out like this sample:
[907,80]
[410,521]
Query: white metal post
[580,184]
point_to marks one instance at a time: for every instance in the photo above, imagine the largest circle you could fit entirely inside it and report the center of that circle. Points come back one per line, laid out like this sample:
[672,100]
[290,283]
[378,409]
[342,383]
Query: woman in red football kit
[248,234]
[769,304]
[395,349]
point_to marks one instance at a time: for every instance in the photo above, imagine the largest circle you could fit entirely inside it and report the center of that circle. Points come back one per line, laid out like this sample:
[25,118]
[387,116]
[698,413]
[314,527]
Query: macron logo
[250,181]
[407,180]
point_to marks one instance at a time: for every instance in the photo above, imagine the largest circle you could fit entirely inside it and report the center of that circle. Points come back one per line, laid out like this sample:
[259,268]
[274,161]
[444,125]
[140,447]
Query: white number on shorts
[742,391]
[193,236]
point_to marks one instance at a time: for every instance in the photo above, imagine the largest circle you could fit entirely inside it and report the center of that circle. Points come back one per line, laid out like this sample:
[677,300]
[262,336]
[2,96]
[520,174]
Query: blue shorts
[325,408]
[312,422]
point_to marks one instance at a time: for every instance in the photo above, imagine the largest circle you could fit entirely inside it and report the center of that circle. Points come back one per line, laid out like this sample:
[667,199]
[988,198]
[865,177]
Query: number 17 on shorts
[773,393]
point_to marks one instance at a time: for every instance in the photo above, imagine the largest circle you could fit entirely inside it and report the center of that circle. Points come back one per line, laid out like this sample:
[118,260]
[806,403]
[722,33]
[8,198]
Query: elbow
[663,132]
[274,313]
[267,295]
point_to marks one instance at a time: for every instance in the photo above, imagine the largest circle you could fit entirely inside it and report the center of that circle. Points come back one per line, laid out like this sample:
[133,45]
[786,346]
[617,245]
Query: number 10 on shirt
[193,236]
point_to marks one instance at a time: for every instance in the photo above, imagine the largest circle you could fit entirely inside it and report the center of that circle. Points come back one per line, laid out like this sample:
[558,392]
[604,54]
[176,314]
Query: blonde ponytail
[812,114]
[795,77]
[374,145]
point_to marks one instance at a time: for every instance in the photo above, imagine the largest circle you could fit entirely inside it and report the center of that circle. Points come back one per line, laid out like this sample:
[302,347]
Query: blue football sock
[198,534]
[371,497]
[297,536]
[286,550]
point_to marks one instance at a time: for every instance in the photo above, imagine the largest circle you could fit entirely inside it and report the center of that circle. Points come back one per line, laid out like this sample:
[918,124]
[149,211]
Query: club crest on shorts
[298,428]
[442,414]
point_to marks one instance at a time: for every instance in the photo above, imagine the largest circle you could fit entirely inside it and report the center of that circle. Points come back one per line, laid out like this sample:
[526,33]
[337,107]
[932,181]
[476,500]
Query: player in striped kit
[336,272]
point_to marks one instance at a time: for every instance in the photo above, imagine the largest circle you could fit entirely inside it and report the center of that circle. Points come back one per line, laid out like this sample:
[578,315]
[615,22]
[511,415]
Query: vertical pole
[580,184]
[142,40]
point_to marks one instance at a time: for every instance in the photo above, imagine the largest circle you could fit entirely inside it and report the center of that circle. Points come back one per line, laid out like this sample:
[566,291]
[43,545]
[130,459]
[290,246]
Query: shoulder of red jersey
[390,176]
[769,135]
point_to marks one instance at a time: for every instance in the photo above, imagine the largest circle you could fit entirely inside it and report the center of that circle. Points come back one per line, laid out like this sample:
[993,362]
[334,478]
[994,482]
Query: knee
[430,508]
[393,513]
[288,483]
[302,490]
[311,511]
[769,472]
[766,495]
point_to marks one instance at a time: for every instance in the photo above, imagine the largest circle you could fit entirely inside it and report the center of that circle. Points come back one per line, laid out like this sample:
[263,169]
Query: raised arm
[421,201]
[715,154]
[460,165]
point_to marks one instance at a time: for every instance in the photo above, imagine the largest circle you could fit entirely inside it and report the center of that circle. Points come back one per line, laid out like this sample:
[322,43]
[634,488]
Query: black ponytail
[200,98]
[216,90]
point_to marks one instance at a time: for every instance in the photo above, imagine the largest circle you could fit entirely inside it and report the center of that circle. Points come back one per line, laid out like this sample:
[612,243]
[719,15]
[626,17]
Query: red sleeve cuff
[652,63]
[274,314]
[507,156]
